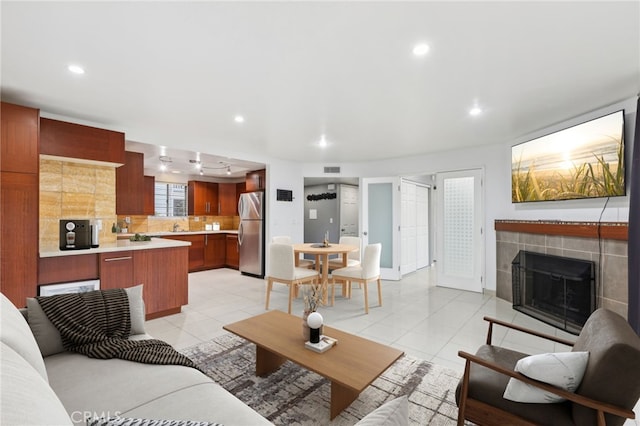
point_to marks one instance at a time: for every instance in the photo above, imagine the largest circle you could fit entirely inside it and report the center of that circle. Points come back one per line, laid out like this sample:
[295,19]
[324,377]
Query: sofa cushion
[47,335]
[128,389]
[613,371]
[391,413]
[15,332]
[562,369]
[27,398]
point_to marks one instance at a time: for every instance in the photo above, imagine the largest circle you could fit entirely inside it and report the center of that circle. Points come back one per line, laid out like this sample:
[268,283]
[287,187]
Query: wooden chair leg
[379,293]
[366,298]
[269,286]
[292,288]
[333,292]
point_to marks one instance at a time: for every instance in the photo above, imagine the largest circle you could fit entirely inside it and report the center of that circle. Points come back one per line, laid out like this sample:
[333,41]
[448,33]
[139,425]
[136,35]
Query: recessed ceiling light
[322,143]
[76,69]
[421,49]
[476,110]
[238,119]
[176,171]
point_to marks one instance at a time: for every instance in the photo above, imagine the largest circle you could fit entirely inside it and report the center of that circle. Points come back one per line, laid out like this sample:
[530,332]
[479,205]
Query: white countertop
[168,233]
[120,245]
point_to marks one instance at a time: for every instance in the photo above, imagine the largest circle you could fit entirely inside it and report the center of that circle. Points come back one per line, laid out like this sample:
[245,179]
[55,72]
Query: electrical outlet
[330,220]
[196,218]
[127,219]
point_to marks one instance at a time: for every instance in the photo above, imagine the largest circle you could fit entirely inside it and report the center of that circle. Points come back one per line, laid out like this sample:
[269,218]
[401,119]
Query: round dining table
[322,254]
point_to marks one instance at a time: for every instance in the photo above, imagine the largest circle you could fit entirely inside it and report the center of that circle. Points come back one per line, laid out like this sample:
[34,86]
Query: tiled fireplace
[604,244]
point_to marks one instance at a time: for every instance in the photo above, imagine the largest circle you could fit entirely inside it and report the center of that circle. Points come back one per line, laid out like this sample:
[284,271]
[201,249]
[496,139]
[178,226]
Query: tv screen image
[583,161]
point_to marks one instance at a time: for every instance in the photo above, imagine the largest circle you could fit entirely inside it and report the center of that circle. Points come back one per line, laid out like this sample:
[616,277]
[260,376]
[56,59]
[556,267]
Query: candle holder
[315,322]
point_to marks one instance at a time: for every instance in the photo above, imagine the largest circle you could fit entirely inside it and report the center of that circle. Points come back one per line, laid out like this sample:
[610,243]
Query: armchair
[606,395]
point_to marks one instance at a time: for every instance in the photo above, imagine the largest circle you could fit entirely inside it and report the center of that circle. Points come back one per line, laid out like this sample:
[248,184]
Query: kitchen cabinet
[116,270]
[233,255]
[256,180]
[19,186]
[72,140]
[202,198]
[61,269]
[19,148]
[163,272]
[227,199]
[215,248]
[130,185]
[149,196]
[196,249]
[241,187]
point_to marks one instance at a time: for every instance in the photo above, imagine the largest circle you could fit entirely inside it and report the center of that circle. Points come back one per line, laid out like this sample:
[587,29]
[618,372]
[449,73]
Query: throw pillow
[124,421]
[391,413]
[136,309]
[564,370]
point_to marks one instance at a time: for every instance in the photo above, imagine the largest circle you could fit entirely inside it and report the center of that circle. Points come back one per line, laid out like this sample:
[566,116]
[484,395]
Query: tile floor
[424,320]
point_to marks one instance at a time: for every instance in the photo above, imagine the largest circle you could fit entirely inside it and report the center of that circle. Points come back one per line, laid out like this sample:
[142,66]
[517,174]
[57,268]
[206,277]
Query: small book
[323,345]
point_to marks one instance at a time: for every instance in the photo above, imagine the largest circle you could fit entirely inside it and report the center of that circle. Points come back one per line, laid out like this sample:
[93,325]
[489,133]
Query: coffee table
[350,366]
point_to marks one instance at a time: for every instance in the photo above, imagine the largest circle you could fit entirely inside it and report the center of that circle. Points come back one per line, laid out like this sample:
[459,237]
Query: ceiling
[175,74]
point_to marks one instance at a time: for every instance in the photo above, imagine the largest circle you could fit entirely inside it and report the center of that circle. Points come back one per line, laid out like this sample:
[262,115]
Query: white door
[460,251]
[408,228]
[349,210]
[379,221]
[422,226]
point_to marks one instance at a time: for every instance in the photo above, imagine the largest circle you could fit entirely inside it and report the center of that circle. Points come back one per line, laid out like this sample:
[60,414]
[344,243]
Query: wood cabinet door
[202,198]
[18,236]
[215,248]
[116,270]
[164,274]
[130,185]
[256,181]
[227,199]
[19,140]
[196,250]
[233,255]
[149,196]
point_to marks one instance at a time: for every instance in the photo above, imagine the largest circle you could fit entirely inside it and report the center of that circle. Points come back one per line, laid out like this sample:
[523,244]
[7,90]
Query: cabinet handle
[206,239]
[113,259]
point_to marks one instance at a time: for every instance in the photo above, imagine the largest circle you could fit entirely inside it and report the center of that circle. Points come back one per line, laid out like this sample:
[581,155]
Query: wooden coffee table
[351,365]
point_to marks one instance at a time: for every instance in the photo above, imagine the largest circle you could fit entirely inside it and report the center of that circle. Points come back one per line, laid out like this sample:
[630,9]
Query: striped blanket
[97,324]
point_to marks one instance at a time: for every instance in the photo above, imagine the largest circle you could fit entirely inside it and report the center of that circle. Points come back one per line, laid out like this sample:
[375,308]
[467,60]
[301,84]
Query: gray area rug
[295,396]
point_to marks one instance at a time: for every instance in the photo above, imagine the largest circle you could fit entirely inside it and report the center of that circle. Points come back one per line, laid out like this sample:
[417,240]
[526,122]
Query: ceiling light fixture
[164,162]
[323,141]
[476,110]
[228,170]
[238,119]
[421,49]
[76,69]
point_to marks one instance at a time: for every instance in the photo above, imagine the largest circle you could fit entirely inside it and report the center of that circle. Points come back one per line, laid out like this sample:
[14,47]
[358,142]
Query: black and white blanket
[97,324]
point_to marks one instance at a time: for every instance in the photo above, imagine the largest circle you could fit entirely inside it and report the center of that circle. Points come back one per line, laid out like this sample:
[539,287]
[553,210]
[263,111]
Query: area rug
[293,395]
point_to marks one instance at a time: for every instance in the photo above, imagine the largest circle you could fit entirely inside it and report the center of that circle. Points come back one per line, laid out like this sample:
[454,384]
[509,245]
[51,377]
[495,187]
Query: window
[170,199]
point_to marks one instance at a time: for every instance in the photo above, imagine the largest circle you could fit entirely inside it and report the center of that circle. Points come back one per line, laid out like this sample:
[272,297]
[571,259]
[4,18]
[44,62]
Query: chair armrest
[523,330]
[578,399]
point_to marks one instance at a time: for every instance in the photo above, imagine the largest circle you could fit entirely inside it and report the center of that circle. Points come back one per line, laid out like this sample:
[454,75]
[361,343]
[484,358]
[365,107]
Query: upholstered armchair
[606,394]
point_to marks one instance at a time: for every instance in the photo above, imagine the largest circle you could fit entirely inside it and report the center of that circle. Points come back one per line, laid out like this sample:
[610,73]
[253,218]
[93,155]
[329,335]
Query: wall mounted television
[582,161]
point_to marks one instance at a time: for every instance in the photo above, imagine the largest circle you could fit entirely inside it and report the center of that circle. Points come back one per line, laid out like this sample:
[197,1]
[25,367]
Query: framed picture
[74,287]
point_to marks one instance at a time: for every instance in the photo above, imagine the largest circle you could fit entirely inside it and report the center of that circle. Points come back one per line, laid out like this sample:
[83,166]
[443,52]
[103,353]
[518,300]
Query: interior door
[380,222]
[348,210]
[460,248]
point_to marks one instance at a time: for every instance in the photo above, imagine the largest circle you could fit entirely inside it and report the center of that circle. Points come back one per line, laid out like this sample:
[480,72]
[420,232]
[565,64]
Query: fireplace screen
[557,290]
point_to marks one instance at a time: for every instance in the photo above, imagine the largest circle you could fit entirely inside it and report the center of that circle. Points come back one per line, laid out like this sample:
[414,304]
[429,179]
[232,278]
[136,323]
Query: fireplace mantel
[604,230]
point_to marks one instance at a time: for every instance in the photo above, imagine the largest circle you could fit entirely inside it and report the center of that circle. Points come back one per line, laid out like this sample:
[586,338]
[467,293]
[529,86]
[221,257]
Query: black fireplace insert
[554,289]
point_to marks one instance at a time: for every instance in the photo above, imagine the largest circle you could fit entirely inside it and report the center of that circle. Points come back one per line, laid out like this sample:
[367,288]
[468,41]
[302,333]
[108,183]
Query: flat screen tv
[583,161]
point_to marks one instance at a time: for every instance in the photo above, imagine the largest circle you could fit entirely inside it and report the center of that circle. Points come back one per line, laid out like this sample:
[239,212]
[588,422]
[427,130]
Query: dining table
[322,253]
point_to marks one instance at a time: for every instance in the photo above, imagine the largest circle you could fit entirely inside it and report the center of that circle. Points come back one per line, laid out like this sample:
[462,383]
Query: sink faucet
[175,227]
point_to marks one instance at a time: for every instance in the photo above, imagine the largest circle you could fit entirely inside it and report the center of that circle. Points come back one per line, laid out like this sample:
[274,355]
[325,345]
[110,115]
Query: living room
[478,145]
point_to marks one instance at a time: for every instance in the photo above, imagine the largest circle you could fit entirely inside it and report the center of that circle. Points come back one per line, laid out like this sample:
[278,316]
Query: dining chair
[302,263]
[353,257]
[368,271]
[282,269]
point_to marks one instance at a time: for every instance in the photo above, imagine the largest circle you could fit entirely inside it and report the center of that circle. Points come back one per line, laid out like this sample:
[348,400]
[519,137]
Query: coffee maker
[75,234]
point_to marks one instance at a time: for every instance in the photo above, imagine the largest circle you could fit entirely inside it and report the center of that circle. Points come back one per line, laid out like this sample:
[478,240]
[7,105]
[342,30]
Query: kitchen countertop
[169,233]
[120,245]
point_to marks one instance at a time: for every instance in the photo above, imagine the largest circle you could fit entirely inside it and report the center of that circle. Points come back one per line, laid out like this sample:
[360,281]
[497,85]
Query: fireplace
[557,290]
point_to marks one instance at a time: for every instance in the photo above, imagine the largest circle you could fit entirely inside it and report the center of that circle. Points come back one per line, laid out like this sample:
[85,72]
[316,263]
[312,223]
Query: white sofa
[65,388]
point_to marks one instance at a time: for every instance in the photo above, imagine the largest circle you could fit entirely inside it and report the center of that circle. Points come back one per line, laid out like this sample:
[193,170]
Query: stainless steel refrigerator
[251,233]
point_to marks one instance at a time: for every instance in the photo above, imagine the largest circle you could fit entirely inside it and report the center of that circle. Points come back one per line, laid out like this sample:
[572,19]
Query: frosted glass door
[380,221]
[460,251]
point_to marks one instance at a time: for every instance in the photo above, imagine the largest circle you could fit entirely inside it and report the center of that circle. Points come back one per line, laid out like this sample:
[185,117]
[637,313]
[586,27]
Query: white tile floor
[424,320]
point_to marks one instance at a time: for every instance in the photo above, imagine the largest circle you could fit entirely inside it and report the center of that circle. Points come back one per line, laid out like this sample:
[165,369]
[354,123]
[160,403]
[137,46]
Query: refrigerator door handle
[240,235]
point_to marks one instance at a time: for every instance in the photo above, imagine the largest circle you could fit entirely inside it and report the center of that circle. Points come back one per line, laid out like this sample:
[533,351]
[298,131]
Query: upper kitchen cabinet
[130,185]
[256,180]
[62,139]
[19,148]
[227,199]
[149,195]
[202,198]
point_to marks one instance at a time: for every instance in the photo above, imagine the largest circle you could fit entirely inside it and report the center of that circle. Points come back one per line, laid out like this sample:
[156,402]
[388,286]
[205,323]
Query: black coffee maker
[75,234]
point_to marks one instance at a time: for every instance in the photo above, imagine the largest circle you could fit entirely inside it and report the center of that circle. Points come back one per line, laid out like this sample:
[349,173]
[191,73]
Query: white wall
[494,159]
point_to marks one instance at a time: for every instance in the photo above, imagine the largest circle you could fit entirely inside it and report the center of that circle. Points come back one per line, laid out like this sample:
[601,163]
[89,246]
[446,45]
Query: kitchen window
[170,199]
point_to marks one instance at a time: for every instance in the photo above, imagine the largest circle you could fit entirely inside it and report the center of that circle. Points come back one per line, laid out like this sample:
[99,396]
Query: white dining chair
[282,269]
[302,262]
[353,257]
[368,271]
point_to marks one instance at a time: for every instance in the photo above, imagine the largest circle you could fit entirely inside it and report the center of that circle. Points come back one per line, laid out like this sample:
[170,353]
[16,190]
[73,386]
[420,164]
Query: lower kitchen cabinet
[233,255]
[215,248]
[163,272]
[196,250]
[116,270]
